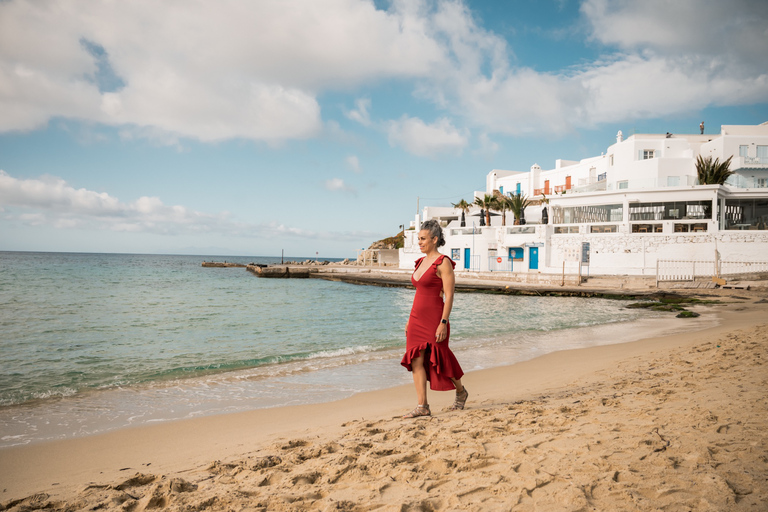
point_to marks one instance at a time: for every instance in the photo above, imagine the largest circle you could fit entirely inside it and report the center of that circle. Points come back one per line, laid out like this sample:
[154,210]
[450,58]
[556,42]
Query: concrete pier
[281,271]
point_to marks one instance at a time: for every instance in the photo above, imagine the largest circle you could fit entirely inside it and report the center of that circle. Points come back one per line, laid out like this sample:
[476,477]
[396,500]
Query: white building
[623,211]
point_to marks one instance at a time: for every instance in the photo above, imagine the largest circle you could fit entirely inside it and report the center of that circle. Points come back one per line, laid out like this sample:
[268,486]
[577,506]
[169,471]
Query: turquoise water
[92,342]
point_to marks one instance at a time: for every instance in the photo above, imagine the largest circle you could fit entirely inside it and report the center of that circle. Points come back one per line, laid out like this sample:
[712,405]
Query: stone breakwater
[281,271]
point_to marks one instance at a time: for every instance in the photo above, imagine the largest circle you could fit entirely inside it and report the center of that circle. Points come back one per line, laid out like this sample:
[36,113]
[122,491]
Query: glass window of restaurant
[749,214]
[603,228]
[693,227]
[647,228]
[587,214]
[671,210]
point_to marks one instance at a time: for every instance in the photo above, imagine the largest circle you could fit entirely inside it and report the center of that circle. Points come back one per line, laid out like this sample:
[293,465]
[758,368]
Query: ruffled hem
[443,366]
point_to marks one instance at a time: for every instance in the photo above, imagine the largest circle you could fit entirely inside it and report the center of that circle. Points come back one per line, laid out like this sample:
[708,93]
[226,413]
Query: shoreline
[61,469]
[338,378]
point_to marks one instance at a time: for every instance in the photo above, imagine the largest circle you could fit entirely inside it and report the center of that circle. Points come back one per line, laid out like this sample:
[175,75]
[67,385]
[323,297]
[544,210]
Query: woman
[427,332]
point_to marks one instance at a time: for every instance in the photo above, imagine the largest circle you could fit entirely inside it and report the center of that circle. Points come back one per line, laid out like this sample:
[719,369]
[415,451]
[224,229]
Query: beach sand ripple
[683,430]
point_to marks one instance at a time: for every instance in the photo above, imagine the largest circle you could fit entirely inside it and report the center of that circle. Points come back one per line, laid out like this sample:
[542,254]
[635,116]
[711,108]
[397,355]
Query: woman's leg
[458,384]
[461,396]
[420,378]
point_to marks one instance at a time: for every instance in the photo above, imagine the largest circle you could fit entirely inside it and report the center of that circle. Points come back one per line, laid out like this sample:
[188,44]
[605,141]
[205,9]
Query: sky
[316,127]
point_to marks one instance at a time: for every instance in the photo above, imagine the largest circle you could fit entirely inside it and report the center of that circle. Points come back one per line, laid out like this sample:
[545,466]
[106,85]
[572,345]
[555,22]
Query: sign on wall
[585,253]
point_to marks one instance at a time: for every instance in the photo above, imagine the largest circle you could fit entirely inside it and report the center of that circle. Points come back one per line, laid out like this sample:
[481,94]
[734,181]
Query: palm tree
[713,172]
[486,202]
[464,207]
[502,205]
[517,204]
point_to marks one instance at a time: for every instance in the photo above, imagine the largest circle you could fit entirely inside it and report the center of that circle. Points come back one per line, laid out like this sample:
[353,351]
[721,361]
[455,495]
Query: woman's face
[426,242]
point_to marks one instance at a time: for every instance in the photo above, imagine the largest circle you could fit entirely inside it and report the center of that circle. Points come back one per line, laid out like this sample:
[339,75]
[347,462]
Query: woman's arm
[445,272]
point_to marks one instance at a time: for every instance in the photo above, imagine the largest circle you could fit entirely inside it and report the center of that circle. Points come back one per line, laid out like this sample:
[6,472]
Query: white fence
[499,264]
[689,270]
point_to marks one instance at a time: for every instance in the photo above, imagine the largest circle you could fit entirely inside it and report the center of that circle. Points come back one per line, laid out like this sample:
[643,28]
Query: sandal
[420,410]
[461,399]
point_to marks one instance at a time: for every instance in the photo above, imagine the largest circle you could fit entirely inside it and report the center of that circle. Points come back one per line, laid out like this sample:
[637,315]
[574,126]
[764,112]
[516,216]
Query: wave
[264,367]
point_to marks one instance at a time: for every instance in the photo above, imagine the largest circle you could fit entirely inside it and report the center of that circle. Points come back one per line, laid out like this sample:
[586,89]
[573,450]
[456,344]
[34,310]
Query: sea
[95,342]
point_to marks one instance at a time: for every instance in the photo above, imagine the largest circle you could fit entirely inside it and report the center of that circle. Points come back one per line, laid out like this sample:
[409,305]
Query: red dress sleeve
[440,259]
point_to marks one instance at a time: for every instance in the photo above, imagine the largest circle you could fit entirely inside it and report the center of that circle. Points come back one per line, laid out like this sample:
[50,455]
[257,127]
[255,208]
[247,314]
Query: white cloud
[338,185]
[672,57]
[51,201]
[354,163]
[361,114]
[206,70]
[440,138]
[734,30]
[255,70]
[487,147]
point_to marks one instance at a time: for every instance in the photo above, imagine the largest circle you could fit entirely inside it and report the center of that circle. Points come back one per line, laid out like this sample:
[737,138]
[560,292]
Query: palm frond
[713,172]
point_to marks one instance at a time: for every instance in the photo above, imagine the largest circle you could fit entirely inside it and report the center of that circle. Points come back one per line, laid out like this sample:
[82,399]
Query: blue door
[533,252]
[466,258]
[517,189]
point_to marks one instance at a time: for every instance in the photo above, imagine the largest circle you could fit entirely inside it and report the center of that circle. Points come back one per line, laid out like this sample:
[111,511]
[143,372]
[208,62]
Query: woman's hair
[434,231]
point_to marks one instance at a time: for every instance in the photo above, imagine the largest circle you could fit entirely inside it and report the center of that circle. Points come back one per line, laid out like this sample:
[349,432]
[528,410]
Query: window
[465,231]
[516,253]
[621,185]
[647,154]
[746,214]
[562,230]
[699,227]
[744,151]
[647,228]
[521,230]
[762,154]
[604,229]
[671,210]
[585,214]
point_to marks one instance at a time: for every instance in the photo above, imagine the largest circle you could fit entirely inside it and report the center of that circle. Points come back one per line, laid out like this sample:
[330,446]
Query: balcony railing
[739,181]
[754,160]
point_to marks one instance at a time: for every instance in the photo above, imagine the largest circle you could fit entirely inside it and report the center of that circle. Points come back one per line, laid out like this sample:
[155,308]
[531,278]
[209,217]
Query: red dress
[426,313]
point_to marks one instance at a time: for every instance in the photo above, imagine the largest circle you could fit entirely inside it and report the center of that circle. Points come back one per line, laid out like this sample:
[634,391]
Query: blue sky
[241,127]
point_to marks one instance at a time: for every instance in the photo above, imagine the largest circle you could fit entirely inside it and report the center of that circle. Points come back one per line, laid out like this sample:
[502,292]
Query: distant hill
[393,242]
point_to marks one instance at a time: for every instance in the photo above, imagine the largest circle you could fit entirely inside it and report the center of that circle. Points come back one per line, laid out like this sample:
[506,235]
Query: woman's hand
[441,333]
[406,328]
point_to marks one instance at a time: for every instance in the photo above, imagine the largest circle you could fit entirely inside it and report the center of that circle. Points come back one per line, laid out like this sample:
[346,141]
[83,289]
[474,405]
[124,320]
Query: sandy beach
[670,423]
